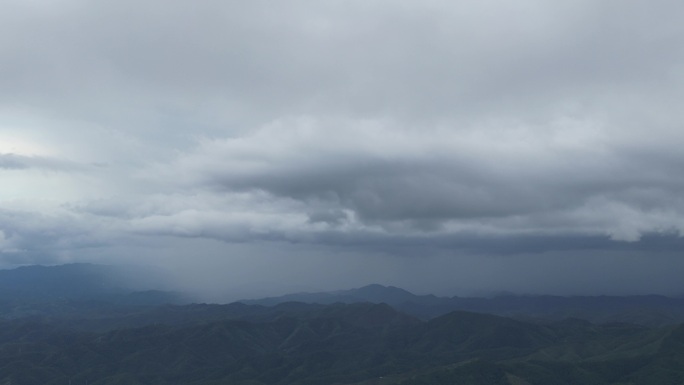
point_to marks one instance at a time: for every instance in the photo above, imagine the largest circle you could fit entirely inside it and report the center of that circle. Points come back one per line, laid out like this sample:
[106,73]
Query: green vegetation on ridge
[340,344]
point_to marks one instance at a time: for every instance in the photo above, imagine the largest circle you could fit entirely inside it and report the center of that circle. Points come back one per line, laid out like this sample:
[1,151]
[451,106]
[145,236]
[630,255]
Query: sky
[257,147]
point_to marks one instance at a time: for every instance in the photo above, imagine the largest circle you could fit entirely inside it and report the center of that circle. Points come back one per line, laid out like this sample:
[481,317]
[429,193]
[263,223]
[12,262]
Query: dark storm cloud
[554,181]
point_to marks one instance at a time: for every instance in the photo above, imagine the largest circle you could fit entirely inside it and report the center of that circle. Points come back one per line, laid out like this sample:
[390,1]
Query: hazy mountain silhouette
[73,288]
[646,310]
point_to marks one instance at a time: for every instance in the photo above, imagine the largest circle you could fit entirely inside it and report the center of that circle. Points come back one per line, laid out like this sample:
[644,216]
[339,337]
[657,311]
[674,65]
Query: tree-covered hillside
[80,324]
[339,344]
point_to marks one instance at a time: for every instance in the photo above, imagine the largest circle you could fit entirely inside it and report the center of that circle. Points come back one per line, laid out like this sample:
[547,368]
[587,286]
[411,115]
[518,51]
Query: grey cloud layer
[426,60]
[492,127]
[21,162]
[557,177]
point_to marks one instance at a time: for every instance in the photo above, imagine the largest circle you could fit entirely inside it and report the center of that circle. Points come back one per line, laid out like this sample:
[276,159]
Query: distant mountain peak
[374,293]
[379,293]
[378,288]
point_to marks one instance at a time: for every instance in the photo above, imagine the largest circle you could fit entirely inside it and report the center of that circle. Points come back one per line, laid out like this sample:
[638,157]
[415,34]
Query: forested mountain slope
[339,344]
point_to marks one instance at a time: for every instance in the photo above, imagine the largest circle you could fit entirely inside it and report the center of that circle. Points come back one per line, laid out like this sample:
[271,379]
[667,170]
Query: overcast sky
[258,146]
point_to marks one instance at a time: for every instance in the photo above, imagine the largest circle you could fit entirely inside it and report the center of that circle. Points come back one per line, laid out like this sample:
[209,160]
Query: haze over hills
[80,323]
[36,290]
[646,309]
[73,281]
[50,290]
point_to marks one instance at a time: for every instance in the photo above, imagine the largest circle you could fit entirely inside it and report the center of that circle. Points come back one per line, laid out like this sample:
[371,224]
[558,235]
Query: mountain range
[37,289]
[650,310]
[94,329]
